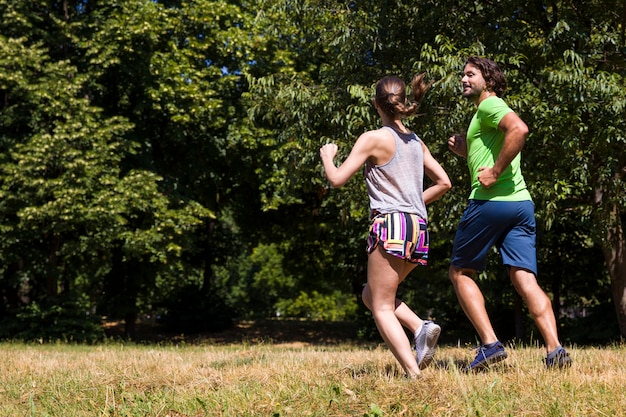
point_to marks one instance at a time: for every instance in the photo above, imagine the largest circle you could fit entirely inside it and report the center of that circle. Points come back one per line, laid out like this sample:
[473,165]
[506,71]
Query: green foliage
[333,307]
[72,194]
[262,282]
[147,148]
[374,411]
[60,319]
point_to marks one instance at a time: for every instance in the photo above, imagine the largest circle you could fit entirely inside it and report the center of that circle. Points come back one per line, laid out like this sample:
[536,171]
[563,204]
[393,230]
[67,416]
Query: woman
[395,163]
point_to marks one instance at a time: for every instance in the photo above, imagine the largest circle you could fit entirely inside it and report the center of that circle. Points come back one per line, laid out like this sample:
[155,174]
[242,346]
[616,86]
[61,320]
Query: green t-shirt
[484,142]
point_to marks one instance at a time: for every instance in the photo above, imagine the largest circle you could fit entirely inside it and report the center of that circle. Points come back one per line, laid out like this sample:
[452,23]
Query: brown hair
[391,95]
[491,73]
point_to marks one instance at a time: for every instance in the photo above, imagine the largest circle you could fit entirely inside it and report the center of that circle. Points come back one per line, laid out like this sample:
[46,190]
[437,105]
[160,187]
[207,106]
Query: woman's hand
[458,145]
[328,151]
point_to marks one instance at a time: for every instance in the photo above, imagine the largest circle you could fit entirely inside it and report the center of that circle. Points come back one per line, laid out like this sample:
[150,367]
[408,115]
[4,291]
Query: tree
[71,196]
[154,150]
[563,66]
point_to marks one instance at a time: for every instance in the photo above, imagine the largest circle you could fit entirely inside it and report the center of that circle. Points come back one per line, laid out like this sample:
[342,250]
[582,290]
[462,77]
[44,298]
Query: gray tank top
[398,185]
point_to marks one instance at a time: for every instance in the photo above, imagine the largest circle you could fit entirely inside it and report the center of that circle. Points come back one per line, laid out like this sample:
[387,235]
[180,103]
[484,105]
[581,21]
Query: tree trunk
[52,279]
[556,295]
[207,282]
[518,313]
[130,324]
[614,251]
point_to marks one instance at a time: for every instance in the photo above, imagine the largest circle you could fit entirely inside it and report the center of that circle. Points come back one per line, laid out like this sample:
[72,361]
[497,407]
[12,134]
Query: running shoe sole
[426,343]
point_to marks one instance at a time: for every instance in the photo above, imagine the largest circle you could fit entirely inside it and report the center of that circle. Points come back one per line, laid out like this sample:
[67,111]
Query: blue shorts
[509,225]
[402,235]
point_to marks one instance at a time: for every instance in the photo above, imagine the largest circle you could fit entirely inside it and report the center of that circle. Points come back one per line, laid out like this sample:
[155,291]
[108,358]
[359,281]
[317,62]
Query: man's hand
[487,176]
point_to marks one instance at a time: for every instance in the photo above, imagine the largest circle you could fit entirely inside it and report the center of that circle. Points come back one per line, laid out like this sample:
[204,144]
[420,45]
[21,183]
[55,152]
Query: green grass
[298,379]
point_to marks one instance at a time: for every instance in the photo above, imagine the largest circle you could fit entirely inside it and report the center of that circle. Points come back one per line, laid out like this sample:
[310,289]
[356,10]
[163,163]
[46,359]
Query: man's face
[473,83]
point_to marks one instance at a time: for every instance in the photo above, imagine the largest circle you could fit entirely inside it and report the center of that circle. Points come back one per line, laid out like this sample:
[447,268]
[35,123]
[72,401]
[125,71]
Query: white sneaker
[426,343]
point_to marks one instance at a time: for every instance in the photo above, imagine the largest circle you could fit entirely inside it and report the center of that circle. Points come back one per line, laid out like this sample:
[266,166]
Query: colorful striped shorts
[403,235]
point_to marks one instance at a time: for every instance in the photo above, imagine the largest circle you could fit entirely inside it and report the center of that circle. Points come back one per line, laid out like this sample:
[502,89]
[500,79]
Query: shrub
[316,306]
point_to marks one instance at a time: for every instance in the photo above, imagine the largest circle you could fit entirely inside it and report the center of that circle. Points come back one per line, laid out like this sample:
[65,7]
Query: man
[500,212]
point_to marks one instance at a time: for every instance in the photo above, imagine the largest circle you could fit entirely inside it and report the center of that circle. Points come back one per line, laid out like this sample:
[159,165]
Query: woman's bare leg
[384,274]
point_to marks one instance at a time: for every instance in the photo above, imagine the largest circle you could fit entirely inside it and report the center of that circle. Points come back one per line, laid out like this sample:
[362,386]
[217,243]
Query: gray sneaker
[426,343]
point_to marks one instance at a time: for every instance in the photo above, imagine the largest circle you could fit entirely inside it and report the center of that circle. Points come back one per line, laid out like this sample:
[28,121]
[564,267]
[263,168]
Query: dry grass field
[310,377]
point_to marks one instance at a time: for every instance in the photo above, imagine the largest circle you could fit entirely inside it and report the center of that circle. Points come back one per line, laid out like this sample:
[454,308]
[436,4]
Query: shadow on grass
[259,331]
[462,364]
